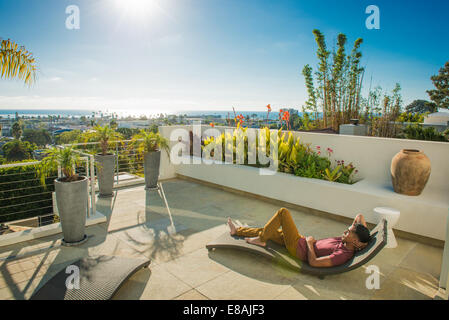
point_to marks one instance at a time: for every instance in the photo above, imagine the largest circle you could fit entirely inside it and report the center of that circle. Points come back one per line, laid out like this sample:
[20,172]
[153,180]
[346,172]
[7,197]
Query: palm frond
[146,141]
[17,63]
[56,157]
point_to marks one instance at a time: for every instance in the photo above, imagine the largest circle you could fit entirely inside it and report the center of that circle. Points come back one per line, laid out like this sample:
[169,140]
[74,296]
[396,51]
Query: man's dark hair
[362,232]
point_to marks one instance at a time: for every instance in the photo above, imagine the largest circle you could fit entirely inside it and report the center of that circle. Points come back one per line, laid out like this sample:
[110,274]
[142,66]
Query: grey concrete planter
[151,166]
[105,174]
[71,199]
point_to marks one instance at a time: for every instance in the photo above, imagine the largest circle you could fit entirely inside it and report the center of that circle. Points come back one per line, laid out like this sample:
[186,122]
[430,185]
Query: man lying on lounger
[327,252]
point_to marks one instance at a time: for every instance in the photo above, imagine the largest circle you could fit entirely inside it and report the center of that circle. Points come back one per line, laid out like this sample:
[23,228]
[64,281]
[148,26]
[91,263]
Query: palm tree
[16,130]
[103,135]
[16,62]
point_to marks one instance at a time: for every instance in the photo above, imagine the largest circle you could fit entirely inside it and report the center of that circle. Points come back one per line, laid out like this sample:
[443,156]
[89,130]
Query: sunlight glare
[136,8]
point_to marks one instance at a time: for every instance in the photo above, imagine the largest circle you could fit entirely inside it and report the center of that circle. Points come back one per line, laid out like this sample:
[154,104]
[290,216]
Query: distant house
[438,120]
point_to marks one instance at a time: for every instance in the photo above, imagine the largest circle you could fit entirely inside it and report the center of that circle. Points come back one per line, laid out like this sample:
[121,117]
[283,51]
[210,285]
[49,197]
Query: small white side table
[392,217]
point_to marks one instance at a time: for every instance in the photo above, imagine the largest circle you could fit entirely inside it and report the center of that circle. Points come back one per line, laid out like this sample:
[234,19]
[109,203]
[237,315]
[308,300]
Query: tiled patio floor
[182,268]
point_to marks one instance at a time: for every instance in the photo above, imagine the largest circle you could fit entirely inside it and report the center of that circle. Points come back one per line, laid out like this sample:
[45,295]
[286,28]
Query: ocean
[43,112]
[5,113]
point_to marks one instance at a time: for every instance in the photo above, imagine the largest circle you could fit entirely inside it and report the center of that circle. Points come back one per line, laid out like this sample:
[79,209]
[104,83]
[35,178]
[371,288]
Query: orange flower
[269,107]
[212,124]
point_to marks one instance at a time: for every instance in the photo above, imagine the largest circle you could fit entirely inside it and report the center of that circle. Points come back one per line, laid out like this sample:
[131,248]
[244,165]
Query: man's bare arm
[313,260]
[359,219]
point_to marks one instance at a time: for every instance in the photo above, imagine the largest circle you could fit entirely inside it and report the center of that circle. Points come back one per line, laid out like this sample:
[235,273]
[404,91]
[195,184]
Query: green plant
[411,117]
[40,137]
[440,95]
[103,135]
[68,137]
[16,130]
[417,132]
[421,106]
[22,195]
[148,141]
[339,78]
[128,133]
[17,150]
[64,157]
[332,175]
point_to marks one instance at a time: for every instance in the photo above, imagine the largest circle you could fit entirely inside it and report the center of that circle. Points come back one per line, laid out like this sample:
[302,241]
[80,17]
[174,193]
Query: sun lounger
[275,251]
[99,279]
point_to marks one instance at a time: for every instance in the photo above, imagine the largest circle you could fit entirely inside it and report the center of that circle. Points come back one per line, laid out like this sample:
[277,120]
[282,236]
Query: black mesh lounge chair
[100,278]
[275,251]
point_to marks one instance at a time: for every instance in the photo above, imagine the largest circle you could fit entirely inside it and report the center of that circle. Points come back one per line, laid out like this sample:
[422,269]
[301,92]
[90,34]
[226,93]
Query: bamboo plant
[338,82]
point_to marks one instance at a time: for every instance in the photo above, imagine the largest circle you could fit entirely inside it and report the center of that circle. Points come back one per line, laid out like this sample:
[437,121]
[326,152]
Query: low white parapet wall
[424,215]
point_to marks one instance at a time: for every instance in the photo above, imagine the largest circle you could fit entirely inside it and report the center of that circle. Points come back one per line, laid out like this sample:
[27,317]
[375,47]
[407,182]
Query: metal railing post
[117,162]
[92,184]
[444,274]
[89,202]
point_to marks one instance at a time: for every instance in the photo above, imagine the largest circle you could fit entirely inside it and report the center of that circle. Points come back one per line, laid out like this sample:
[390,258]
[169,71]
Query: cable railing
[129,163]
[27,203]
[23,199]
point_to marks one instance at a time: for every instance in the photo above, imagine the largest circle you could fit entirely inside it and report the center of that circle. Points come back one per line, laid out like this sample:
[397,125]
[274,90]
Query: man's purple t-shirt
[332,247]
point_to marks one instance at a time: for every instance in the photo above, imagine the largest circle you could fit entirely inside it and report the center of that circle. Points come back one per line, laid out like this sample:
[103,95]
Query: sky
[151,56]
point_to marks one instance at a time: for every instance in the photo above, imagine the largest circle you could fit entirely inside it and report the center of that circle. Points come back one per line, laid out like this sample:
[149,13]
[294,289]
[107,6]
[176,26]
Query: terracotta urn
[410,171]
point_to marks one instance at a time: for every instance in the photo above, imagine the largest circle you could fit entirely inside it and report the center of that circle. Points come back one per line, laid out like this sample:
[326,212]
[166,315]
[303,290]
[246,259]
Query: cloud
[55,79]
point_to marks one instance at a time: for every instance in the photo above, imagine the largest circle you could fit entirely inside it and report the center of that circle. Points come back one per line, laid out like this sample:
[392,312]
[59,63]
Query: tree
[16,130]
[113,124]
[17,150]
[16,62]
[68,137]
[40,137]
[440,96]
[421,106]
[103,135]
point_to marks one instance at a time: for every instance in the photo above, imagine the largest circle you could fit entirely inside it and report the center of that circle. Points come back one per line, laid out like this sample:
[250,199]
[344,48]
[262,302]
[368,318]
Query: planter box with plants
[294,157]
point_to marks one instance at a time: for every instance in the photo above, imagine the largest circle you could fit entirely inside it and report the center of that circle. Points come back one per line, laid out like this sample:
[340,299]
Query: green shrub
[17,150]
[22,195]
[417,132]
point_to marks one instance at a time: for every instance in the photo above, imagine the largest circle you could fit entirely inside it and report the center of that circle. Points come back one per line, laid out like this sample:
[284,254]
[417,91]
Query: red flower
[269,108]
